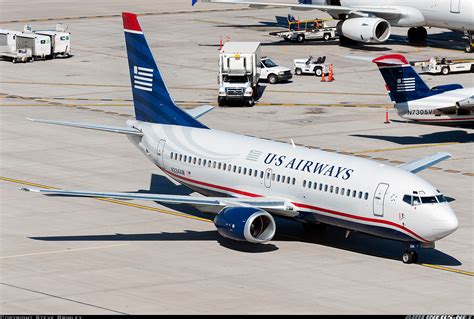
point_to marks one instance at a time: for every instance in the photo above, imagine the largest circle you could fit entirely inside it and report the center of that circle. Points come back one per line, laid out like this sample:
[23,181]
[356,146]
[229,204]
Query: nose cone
[447,225]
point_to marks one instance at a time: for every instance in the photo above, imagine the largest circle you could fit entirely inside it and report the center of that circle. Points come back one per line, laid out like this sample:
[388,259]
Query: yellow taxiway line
[17,181]
[62,251]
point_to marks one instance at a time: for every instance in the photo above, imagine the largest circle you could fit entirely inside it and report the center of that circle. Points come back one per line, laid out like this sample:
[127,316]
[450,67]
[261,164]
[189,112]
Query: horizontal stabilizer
[264,203]
[112,129]
[200,110]
[425,162]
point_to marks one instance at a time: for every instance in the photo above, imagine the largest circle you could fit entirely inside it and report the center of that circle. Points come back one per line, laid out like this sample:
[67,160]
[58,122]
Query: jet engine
[366,30]
[466,103]
[245,224]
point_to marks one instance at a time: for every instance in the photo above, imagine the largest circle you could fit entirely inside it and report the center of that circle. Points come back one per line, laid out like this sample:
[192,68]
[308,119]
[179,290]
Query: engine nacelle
[245,224]
[366,30]
[466,103]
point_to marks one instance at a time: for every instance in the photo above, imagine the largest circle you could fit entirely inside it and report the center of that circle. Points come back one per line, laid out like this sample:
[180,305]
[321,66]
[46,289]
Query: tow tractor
[299,31]
[437,65]
[311,66]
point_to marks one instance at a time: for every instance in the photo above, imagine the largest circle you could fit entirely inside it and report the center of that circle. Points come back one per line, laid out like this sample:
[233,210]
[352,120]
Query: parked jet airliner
[414,100]
[250,179]
[370,21]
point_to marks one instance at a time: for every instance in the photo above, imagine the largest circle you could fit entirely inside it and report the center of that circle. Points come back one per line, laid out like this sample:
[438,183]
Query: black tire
[298,71]
[421,33]
[469,48]
[318,71]
[300,38]
[273,79]
[251,101]
[444,70]
[221,101]
[409,257]
[411,35]
[327,37]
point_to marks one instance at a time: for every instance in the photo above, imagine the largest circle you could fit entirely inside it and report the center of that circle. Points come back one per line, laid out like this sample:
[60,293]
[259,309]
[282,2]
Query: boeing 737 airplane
[249,180]
[370,21]
[414,100]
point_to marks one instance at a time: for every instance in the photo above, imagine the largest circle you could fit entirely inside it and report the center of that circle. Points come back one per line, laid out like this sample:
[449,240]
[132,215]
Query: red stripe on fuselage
[301,205]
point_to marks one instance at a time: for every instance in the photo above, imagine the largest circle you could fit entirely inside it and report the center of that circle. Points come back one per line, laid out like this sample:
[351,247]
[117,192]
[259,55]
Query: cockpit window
[428,200]
[415,200]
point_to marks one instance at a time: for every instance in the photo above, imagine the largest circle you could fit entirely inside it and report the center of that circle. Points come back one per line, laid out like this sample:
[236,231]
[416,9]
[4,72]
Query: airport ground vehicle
[239,72]
[20,55]
[60,42]
[311,66]
[12,41]
[272,72]
[248,180]
[445,66]
[300,31]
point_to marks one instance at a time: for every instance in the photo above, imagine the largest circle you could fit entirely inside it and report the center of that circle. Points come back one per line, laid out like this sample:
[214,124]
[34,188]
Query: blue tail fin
[151,98]
[402,81]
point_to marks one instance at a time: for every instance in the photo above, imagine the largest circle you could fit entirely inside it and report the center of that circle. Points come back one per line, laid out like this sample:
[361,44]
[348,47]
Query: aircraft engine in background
[366,30]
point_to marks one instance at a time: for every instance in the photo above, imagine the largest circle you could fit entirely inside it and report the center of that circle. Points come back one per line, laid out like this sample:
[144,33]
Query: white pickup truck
[272,72]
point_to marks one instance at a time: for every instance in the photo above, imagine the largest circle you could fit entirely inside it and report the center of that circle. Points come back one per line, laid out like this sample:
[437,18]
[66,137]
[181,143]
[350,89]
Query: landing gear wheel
[298,71]
[417,34]
[300,38]
[409,257]
[272,79]
[445,70]
[318,72]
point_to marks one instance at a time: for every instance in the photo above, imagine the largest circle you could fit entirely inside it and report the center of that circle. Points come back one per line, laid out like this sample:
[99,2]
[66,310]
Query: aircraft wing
[424,162]
[380,11]
[260,202]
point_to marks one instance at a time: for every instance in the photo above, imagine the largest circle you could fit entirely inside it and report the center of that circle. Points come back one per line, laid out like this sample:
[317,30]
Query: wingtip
[29,189]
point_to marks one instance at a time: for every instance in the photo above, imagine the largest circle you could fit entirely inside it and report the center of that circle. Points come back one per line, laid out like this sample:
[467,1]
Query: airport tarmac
[95,256]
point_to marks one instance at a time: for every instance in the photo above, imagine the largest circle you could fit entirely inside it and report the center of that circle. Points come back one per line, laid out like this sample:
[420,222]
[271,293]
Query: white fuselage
[326,187]
[425,109]
[450,14]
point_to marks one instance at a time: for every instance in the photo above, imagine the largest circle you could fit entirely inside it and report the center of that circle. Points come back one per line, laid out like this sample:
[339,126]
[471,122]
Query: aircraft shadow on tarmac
[287,230]
[458,136]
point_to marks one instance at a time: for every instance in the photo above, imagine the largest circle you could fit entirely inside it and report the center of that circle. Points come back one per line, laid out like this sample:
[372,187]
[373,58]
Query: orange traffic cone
[387,121]
[331,73]
[323,79]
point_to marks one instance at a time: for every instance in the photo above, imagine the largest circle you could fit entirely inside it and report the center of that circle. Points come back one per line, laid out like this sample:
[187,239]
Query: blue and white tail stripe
[151,98]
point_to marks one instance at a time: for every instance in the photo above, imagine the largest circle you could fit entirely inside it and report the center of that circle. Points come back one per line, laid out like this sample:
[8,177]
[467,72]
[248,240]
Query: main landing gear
[417,34]
[409,257]
[470,45]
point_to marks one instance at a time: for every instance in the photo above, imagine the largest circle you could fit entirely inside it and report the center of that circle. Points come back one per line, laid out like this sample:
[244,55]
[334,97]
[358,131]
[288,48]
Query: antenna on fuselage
[293,143]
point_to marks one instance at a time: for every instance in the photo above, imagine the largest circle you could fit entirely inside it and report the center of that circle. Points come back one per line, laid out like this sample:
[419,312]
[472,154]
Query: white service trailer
[12,49]
[60,42]
[445,66]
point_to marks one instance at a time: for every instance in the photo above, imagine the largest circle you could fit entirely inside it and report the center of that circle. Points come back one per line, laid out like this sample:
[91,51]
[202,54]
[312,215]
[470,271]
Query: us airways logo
[309,166]
[406,85]
[142,78]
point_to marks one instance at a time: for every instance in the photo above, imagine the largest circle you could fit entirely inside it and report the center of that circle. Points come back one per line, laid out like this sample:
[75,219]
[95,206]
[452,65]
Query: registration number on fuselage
[177,171]
[420,112]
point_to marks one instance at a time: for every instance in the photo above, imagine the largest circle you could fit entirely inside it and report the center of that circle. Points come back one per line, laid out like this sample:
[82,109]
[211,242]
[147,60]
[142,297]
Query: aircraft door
[268,178]
[455,6]
[161,152]
[379,198]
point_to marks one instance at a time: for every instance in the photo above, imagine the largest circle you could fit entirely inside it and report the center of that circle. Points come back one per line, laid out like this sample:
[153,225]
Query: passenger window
[224,166]
[245,171]
[309,184]
[250,172]
[348,193]
[304,183]
[199,162]
[185,158]
[354,193]
[343,191]
[293,181]
[360,194]
[194,160]
[366,196]
[325,187]
[219,165]
[214,164]
[288,179]
[261,174]
[180,157]
[320,187]
[235,168]
[172,154]
[255,173]
[273,176]
[240,170]
[331,189]
[315,185]
[337,190]
[278,178]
